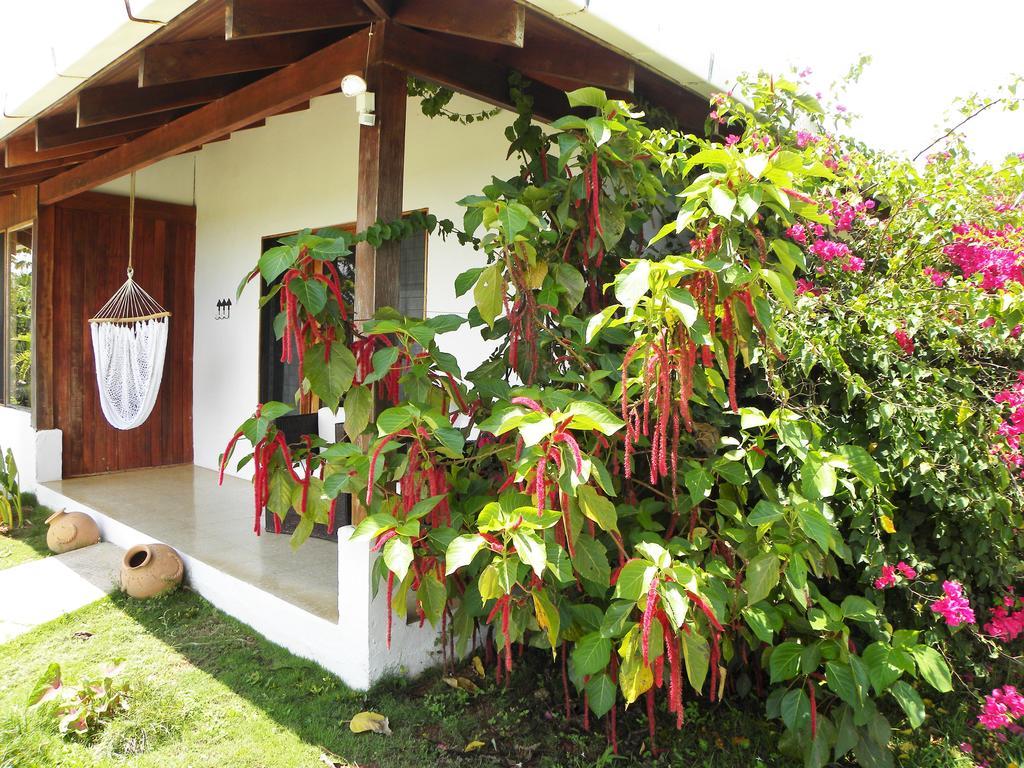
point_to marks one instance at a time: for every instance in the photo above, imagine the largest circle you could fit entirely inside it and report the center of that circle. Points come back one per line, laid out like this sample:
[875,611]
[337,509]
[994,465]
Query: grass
[29,541]
[207,691]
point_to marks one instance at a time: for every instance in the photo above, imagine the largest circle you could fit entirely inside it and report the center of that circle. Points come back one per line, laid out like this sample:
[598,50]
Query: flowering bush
[725,395]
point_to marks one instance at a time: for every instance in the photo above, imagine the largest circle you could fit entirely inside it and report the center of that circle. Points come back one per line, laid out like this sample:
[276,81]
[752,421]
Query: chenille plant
[719,366]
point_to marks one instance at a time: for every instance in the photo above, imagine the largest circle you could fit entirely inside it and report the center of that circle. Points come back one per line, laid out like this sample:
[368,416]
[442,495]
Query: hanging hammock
[129,339]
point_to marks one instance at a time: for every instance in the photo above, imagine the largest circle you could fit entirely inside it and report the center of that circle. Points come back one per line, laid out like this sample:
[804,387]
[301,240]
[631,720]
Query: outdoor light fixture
[355,85]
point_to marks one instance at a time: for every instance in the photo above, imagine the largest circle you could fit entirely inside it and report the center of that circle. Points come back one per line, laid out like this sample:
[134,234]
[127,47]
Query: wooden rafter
[382,9]
[448,63]
[109,103]
[496,21]
[257,18]
[60,131]
[312,76]
[21,149]
[210,57]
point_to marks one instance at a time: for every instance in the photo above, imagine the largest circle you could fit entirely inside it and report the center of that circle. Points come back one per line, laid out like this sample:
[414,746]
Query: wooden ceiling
[226,65]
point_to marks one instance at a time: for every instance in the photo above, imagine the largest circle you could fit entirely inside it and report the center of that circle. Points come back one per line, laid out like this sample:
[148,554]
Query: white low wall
[37,452]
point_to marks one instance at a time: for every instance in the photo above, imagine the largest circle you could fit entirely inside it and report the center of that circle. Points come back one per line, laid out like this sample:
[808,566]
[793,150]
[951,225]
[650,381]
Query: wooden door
[83,254]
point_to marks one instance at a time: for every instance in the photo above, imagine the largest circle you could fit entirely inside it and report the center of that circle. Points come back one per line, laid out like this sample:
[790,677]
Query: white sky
[924,54]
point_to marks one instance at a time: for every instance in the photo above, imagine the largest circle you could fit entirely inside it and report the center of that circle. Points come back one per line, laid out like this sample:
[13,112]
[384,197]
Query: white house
[230,114]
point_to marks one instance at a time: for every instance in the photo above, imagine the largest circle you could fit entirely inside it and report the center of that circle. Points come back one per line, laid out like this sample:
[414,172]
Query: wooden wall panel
[83,255]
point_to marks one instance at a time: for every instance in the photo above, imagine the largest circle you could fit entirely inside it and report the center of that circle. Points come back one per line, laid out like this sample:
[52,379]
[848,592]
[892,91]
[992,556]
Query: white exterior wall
[37,453]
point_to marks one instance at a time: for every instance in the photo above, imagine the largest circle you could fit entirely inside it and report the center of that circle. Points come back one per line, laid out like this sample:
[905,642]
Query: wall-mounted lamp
[355,85]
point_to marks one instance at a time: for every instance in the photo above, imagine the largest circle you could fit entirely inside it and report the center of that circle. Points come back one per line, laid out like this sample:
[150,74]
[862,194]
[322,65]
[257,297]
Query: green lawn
[207,691]
[27,542]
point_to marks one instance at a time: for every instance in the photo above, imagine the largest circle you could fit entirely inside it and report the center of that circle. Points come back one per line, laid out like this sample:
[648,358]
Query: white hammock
[129,339]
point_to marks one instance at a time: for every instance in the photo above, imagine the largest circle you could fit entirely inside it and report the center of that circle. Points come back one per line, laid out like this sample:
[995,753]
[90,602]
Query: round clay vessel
[70,530]
[150,569]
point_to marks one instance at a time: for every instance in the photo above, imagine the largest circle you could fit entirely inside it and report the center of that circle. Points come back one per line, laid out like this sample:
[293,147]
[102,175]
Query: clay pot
[70,530]
[150,569]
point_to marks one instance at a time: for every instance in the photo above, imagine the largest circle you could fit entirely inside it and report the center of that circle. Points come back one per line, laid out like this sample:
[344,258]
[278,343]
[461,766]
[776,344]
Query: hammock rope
[129,341]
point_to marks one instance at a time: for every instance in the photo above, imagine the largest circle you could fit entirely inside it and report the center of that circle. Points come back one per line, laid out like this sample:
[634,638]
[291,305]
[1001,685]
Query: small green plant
[11,515]
[84,707]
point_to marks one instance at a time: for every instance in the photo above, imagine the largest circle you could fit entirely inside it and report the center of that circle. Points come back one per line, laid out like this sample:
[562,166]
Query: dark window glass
[18,319]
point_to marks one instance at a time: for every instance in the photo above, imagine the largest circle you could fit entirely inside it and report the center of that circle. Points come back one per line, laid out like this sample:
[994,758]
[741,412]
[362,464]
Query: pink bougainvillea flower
[997,255]
[840,107]
[938,278]
[731,139]
[805,72]
[829,250]
[954,607]
[906,343]
[1006,625]
[803,285]
[853,264]
[887,579]
[805,138]
[797,233]
[1002,706]
[906,571]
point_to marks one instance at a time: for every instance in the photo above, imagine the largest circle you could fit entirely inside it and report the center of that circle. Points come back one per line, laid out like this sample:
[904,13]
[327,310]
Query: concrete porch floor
[184,507]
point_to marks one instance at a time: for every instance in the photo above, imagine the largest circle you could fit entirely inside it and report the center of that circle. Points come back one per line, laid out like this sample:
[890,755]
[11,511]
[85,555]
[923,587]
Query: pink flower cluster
[805,138]
[938,278]
[843,214]
[906,343]
[1007,624]
[954,607]
[803,285]
[1012,428]
[825,249]
[1002,707]
[995,254]
[889,572]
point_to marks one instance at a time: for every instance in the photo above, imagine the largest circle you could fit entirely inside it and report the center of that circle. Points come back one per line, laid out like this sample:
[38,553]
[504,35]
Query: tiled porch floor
[184,507]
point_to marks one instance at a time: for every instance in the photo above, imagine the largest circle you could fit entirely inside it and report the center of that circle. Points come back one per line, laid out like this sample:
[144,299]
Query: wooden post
[380,185]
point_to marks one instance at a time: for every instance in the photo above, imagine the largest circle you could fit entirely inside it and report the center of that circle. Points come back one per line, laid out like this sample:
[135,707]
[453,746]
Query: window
[280,381]
[17,320]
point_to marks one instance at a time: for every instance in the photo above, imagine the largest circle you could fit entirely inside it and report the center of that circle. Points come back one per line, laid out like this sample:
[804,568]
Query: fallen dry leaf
[462,683]
[372,722]
[478,666]
[473,746]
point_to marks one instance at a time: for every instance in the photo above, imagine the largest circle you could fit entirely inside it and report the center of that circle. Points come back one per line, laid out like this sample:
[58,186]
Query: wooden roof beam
[60,131]
[448,63]
[496,21]
[110,103]
[21,150]
[565,57]
[297,83]
[382,9]
[195,59]
[258,18]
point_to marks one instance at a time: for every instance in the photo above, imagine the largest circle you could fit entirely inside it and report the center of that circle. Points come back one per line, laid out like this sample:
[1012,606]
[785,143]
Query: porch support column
[380,185]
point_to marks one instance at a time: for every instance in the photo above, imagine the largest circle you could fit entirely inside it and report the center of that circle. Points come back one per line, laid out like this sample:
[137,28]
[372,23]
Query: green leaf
[467,280]
[597,508]
[681,302]
[598,322]
[601,694]
[814,524]
[548,618]
[795,709]
[859,608]
[593,416]
[591,560]
[696,658]
[782,285]
[762,577]
[910,701]
[861,463]
[398,556]
[330,379]
[722,201]
[530,550]
[764,512]
[635,677]
[514,218]
[395,419]
[569,280]
[461,551]
[358,407]
[785,661]
[632,283]
[312,294]
[488,293]
[634,579]
[817,477]
[591,654]
[432,596]
[587,97]
[275,261]
[933,668]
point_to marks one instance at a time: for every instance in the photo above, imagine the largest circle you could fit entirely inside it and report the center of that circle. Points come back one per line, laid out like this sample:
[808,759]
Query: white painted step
[42,590]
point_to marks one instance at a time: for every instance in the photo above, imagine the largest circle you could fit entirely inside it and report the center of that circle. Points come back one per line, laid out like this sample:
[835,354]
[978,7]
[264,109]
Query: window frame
[8,245]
